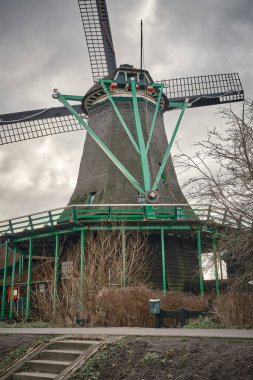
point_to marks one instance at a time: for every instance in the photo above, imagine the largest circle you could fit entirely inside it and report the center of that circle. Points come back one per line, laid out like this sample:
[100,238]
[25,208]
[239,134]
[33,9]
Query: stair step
[54,366]
[59,355]
[73,344]
[33,376]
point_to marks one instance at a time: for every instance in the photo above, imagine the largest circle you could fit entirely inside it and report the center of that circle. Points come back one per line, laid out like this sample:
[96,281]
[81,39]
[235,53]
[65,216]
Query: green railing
[122,213]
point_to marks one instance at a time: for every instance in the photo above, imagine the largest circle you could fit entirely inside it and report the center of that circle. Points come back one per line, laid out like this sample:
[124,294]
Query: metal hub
[152,196]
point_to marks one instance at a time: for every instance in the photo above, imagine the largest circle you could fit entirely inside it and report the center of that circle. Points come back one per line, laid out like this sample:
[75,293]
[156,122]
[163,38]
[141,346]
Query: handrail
[123,212]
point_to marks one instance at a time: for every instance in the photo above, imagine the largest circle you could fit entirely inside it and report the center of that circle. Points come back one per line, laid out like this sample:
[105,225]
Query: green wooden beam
[100,143]
[166,156]
[168,227]
[56,274]
[5,280]
[142,147]
[120,116]
[29,275]
[163,261]
[152,128]
[12,282]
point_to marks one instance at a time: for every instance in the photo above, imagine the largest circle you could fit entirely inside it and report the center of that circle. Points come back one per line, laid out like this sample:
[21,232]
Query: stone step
[59,355]
[33,376]
[53,366]
[73,344]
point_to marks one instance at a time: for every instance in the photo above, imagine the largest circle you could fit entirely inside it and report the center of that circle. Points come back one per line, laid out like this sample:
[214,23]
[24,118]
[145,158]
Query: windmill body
[126,160]
[98,176]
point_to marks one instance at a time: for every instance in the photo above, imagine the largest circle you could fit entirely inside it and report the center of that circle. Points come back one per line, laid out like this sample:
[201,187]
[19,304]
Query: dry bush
[234,309]
[130,306]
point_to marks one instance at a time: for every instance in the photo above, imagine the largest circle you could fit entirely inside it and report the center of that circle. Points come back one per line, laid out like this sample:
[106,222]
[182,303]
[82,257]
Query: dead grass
[130,306]
[235,309]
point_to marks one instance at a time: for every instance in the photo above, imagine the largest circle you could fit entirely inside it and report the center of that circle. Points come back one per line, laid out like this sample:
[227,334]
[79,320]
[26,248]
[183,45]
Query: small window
[91,198]
[132,75]
[121,77]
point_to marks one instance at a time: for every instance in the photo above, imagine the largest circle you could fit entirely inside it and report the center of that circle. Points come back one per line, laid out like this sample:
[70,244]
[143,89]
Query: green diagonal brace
[143,153]
[154,117]
[166,156]
[100,143]
[5,280]
[120,116]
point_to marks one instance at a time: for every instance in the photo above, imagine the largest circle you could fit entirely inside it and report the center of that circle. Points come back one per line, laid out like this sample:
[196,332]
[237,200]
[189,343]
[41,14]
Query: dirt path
[9,343]
[149,358]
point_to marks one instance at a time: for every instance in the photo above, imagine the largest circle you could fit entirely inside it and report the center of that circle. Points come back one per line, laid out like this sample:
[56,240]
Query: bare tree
[104,267]
[221,173]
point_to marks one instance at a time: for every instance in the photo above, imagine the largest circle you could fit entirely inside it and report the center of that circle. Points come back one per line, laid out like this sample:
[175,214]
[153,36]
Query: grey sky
[42,47]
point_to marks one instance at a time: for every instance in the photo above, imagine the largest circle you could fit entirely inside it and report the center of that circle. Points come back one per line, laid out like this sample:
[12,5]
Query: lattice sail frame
[205,90]
[98,37]
[29,125]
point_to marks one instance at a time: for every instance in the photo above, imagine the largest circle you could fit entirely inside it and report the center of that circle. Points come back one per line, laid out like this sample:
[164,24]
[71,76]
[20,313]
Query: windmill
[126,157]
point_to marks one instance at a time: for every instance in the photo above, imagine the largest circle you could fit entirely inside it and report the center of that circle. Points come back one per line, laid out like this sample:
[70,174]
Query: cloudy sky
[42,47]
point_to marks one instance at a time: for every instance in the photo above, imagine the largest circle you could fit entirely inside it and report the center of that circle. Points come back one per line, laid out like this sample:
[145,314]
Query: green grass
[149,357]
[202,322]
[37,324]
[12,356]
[90,370]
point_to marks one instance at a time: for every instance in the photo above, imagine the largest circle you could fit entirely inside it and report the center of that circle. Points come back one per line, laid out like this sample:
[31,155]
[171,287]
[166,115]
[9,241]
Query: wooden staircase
[56,360]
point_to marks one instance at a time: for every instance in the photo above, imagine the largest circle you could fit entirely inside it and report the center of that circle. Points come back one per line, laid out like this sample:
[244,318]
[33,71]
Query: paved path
[135,331]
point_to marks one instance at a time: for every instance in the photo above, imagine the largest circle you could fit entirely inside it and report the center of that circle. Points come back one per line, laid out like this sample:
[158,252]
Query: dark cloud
[42,46]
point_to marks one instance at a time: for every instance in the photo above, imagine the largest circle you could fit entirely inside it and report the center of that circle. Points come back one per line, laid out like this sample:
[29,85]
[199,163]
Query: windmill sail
[28,125]
[205,90]
[98,36]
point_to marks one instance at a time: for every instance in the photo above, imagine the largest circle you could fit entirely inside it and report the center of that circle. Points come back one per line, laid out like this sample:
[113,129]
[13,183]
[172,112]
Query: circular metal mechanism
[152,196]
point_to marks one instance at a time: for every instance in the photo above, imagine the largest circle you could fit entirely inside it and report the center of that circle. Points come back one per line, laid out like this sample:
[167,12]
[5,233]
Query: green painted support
[216,267]
[123,258]
[168,227]
[152,128]
[50,218]
[5,280]
[11,227]
[176,104]
[75,98]
[74,216]
[101,144]
[30,222]
[120,116]
[167,154]
[29,275]
[56,268]
[143,153]
[82,248]
[12,282]
[201,280]
[163,261]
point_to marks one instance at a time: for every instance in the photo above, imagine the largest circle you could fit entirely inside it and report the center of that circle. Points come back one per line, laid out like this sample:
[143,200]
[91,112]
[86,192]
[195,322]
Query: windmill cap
[96,90]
